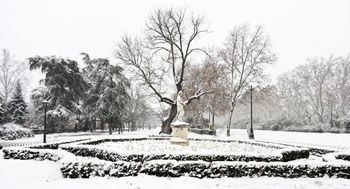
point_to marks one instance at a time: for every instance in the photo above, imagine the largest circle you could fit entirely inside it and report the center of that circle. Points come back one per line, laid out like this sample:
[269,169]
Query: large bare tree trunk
[166,129]
[229,124]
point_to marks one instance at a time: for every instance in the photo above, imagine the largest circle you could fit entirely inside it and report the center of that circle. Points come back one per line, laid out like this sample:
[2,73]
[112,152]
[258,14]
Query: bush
[86,170]
[343,156]
[203,131]
[53,145]
[26,154]
[12,131]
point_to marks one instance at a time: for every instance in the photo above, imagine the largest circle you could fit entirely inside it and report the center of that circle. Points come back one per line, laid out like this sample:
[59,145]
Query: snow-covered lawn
[19,174]
[195,147]
[321,139]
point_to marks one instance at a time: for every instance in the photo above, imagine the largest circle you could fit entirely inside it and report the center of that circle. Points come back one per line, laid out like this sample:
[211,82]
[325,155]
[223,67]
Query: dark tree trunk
[166,129]
[213,120]
[133,126]
[110,123]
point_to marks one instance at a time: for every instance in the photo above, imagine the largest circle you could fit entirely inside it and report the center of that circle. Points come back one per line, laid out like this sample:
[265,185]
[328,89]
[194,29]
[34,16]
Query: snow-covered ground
[46,174]
[322,139]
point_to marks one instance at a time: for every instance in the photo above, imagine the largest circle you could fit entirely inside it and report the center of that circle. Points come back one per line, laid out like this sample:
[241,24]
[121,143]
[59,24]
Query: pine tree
[17,106]
[2,113]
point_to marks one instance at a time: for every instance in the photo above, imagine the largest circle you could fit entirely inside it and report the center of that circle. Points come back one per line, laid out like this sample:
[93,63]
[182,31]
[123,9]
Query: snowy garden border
[135,164]
[87,148]
[201,169]
[40,152]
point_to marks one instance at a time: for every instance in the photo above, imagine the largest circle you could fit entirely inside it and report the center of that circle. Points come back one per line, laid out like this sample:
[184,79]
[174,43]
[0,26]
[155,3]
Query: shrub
[12,131]
[203,131]
[26,154]
[86,170]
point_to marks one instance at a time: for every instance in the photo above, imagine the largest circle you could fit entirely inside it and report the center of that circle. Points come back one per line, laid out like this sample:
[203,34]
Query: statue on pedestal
[180,106]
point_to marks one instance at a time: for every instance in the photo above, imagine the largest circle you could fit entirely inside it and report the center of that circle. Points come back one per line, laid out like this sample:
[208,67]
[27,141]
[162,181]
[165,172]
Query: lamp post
[251,132]
[45,102]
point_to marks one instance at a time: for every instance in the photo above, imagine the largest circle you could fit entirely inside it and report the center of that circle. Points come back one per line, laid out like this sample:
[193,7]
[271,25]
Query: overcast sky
[298,29]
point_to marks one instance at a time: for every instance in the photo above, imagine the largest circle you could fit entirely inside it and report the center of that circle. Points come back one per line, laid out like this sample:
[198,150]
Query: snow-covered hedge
[202,131]
[54,145]
[243,169]
[86,170]
[86,149]
[26,154]
[173,168]
[201,169]
[12,131]
[343,156]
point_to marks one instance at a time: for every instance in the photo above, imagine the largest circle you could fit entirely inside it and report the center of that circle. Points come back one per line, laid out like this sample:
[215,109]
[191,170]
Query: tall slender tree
[17,107]
[245,53]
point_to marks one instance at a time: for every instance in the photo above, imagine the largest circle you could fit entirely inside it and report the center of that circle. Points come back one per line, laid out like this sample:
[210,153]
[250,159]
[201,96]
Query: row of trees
[314,96]
[317,91]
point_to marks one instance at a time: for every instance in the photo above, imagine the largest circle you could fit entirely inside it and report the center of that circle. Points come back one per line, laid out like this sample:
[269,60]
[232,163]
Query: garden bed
[146,149]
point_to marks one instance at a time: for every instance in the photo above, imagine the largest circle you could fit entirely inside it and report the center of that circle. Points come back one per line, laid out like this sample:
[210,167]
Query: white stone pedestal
[180,133]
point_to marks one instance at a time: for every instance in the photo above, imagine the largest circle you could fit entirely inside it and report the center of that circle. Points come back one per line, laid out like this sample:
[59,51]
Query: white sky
[298,29]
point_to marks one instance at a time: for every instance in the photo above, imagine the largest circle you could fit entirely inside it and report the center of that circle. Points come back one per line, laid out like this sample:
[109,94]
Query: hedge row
[204,169]
[343,156]
[264,144]
[203,131]
[101,154]
[54,145]
[286,155]
[86,170]
[26,154]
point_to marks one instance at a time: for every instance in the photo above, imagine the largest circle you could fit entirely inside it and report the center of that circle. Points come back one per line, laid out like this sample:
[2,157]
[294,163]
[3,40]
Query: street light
[45,102]
[251,131]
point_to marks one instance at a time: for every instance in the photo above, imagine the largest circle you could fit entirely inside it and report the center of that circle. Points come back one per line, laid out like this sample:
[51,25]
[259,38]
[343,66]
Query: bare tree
[163,55]
[317,90]
[10,70]
[209,75]
[137,109]
[245,53]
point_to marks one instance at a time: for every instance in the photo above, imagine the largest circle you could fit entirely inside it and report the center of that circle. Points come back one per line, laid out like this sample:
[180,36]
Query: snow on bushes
[203,131]
[86,170]
[115,153]
[201,169]
[54,145]
[343,155]
[12,131]
[244,169]
[26,154]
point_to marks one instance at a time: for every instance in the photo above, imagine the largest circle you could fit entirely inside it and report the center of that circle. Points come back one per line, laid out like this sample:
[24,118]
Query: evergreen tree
[2,113]
[107,94]
[17,107]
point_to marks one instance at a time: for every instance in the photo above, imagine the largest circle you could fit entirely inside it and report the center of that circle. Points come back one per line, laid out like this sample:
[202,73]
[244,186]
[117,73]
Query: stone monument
[180,127]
